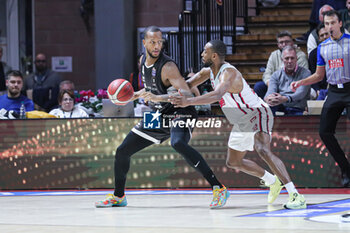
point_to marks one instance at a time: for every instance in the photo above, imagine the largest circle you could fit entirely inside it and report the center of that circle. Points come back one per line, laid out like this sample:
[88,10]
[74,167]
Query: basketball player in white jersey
[251,117]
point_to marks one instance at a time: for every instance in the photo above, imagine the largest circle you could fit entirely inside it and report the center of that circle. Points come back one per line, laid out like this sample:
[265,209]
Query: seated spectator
[279,95]
[67,109]
[275,62]
[313,39]
[67,85]
[4,68]
[43,85]
[13,99]
[345,16]
[322,34]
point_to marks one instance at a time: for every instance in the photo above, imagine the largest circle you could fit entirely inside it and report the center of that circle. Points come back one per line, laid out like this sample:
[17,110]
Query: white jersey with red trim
[237,107]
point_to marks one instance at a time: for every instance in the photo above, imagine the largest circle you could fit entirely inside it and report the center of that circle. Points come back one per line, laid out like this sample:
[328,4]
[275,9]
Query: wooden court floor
[170,211]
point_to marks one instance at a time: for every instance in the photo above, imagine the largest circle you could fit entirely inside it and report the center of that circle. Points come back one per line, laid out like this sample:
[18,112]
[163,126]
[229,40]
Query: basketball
[120,91]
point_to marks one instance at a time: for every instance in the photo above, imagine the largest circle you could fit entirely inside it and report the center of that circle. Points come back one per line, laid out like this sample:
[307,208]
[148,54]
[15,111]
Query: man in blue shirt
[13,99]
[333,59]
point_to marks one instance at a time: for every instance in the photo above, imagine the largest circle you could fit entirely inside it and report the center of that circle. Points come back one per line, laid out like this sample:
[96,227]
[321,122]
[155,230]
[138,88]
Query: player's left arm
[227,82]
[170,77]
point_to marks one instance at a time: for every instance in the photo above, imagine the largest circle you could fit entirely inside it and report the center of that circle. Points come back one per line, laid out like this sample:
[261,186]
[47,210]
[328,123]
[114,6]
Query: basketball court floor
[170,211]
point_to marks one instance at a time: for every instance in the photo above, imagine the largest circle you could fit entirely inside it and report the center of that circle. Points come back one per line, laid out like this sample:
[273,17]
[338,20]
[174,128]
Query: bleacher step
[261,37]
[274,28]
[280,19]
[247,57]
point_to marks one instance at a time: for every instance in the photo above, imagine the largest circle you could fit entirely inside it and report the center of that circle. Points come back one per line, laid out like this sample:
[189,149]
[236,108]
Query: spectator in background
[321,86]
[275,62]
[135,78]
[314,16]
[316,6]
[280,96]
[313,39]
[4,68]
[67,85]
[67,109]
[43,85]
[345,16]
[13,99]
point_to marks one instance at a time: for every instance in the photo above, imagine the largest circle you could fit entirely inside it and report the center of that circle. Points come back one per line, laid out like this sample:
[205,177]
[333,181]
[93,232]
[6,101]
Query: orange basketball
[120,91]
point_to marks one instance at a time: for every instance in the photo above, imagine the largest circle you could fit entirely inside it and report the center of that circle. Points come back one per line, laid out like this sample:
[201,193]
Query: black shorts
[167,122]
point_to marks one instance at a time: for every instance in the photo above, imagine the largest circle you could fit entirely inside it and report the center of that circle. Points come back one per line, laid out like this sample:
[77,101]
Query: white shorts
[242,134]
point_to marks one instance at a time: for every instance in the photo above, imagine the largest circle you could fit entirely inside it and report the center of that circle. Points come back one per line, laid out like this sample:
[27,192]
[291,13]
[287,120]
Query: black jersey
[152,80]
[151,76]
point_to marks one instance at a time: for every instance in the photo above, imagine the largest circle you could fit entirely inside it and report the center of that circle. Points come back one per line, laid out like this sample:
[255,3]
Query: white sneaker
[296,201]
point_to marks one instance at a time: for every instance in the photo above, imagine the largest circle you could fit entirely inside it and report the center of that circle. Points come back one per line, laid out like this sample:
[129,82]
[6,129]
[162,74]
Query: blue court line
[310,211]
[128,192]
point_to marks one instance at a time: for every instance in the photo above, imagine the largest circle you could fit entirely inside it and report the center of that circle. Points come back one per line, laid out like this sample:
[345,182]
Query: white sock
[268,178]
[291,188]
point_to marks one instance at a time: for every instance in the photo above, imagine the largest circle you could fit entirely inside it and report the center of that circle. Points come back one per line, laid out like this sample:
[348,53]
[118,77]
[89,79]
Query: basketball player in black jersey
[159,72]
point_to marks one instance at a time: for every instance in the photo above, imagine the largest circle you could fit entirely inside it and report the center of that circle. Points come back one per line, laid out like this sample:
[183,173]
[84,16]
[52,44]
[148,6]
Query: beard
[207,63]
[150,54]
[14,92]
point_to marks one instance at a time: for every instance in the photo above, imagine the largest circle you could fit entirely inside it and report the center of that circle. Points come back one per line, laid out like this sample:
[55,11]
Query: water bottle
[22,111]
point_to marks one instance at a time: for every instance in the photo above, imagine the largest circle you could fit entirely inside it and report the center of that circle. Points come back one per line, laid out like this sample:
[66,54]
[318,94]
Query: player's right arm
[316,77]
[199,78]
[230,81]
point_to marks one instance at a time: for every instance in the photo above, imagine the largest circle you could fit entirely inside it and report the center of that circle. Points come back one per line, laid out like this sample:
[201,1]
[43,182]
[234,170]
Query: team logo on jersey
[222,102]
[336,63]
[151,120]
[154,71]
[253,119]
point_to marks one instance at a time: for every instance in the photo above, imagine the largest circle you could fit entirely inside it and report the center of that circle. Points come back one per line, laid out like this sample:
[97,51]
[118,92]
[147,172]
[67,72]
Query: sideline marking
[130,192]
[311,211]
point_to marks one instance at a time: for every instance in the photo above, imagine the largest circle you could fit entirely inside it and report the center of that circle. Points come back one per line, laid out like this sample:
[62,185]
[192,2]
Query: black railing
[203,21]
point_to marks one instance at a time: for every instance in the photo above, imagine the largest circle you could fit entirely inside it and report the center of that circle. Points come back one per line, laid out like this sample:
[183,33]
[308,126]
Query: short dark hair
[319,27]
[14,73]
[283,34]
[61,94]
[218,47]
[332,13]
[151,29]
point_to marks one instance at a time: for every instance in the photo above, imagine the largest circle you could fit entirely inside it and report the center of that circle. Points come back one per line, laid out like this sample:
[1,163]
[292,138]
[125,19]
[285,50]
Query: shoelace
[294,196]
[109,197]
[216,194]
